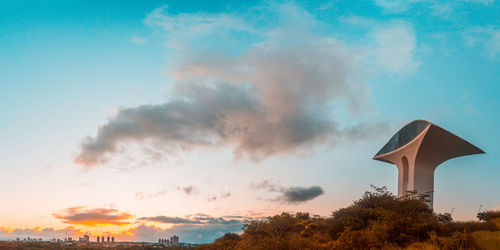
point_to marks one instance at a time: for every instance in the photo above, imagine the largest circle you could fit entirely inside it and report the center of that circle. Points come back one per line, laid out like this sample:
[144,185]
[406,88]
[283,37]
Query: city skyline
[143,120]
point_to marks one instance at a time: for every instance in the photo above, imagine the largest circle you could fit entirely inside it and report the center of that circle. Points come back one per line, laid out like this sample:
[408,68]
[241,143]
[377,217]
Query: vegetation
[379,220]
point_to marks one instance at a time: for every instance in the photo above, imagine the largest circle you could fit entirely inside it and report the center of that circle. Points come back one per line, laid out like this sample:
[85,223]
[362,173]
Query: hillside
[378,220]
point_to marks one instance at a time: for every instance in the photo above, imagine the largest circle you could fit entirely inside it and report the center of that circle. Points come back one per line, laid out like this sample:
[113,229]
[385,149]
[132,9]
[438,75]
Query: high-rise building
[112,239]
[98,238]
[417,150]
[108,239]
[86,238]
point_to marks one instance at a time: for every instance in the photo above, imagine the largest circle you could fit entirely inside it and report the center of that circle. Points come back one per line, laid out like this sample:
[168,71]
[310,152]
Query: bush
[378,220]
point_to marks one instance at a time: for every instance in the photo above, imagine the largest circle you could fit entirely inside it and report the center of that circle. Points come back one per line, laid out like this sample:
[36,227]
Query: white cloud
[269,92]
[395,6]
[138,40]
[487,38]
[395,48]
[481,1]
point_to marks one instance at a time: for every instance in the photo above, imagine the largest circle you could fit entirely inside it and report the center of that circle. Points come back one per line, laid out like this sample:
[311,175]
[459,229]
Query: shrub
[378,220]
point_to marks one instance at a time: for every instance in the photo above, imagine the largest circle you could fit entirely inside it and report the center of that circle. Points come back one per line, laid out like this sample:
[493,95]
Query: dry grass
[487,239]
[496,222]
[422,246]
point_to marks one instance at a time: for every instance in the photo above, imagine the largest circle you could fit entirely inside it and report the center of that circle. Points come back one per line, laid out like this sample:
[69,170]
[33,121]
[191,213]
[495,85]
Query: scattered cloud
[290,194]
[138,40]
[395,49]
[273,94]
[170,220]
[195,228]
[93,216]
[395,6]
[224,195]
[199,228]
[38,232]
[443,10]
[487,38]
[139,195]
[438,8]
[189,190]
[266,185]
[302,194]
[481,1]
[194,233]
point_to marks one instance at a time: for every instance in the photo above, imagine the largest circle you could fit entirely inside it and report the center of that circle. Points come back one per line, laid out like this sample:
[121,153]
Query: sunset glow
[147,119]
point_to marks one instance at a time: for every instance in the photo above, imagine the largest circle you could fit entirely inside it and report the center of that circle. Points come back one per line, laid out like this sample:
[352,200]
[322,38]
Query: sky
[145,119]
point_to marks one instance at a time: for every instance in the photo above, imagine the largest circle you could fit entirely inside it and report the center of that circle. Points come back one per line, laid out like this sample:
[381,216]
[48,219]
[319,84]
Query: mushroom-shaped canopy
[435,144]
[404,136]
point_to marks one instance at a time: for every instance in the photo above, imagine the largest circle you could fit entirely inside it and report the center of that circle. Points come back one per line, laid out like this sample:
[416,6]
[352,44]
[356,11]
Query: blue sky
[308,93]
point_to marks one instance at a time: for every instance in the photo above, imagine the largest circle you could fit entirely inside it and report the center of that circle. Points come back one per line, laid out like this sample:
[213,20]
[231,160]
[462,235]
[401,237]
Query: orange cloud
[39,232]
[94,216]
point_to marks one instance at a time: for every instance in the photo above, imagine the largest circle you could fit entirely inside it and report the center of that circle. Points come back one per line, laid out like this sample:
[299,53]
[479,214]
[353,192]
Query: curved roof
[404,136]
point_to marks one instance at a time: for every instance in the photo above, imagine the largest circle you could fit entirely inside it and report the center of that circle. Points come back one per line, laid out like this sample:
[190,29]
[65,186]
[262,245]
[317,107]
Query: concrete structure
[417,150]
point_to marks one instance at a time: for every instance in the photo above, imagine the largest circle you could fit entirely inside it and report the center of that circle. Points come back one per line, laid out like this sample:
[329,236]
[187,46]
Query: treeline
[379,220]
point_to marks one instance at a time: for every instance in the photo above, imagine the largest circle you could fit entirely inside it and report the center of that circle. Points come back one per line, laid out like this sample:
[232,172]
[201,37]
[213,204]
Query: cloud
[195,229]
[225,195]
[139,195]
[486,2]
[274,93]
[170,220]
[438,8]
[487,38]
[189,190]
[138,40]
[290,194]
[266,185]
[395,47]
[38,232]
[301,194]
[395,6]
[93,216]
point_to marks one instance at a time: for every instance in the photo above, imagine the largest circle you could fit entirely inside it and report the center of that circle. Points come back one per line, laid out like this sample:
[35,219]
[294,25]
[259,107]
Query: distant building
[108,239]
[112,239]
[98,238]
[86,238]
